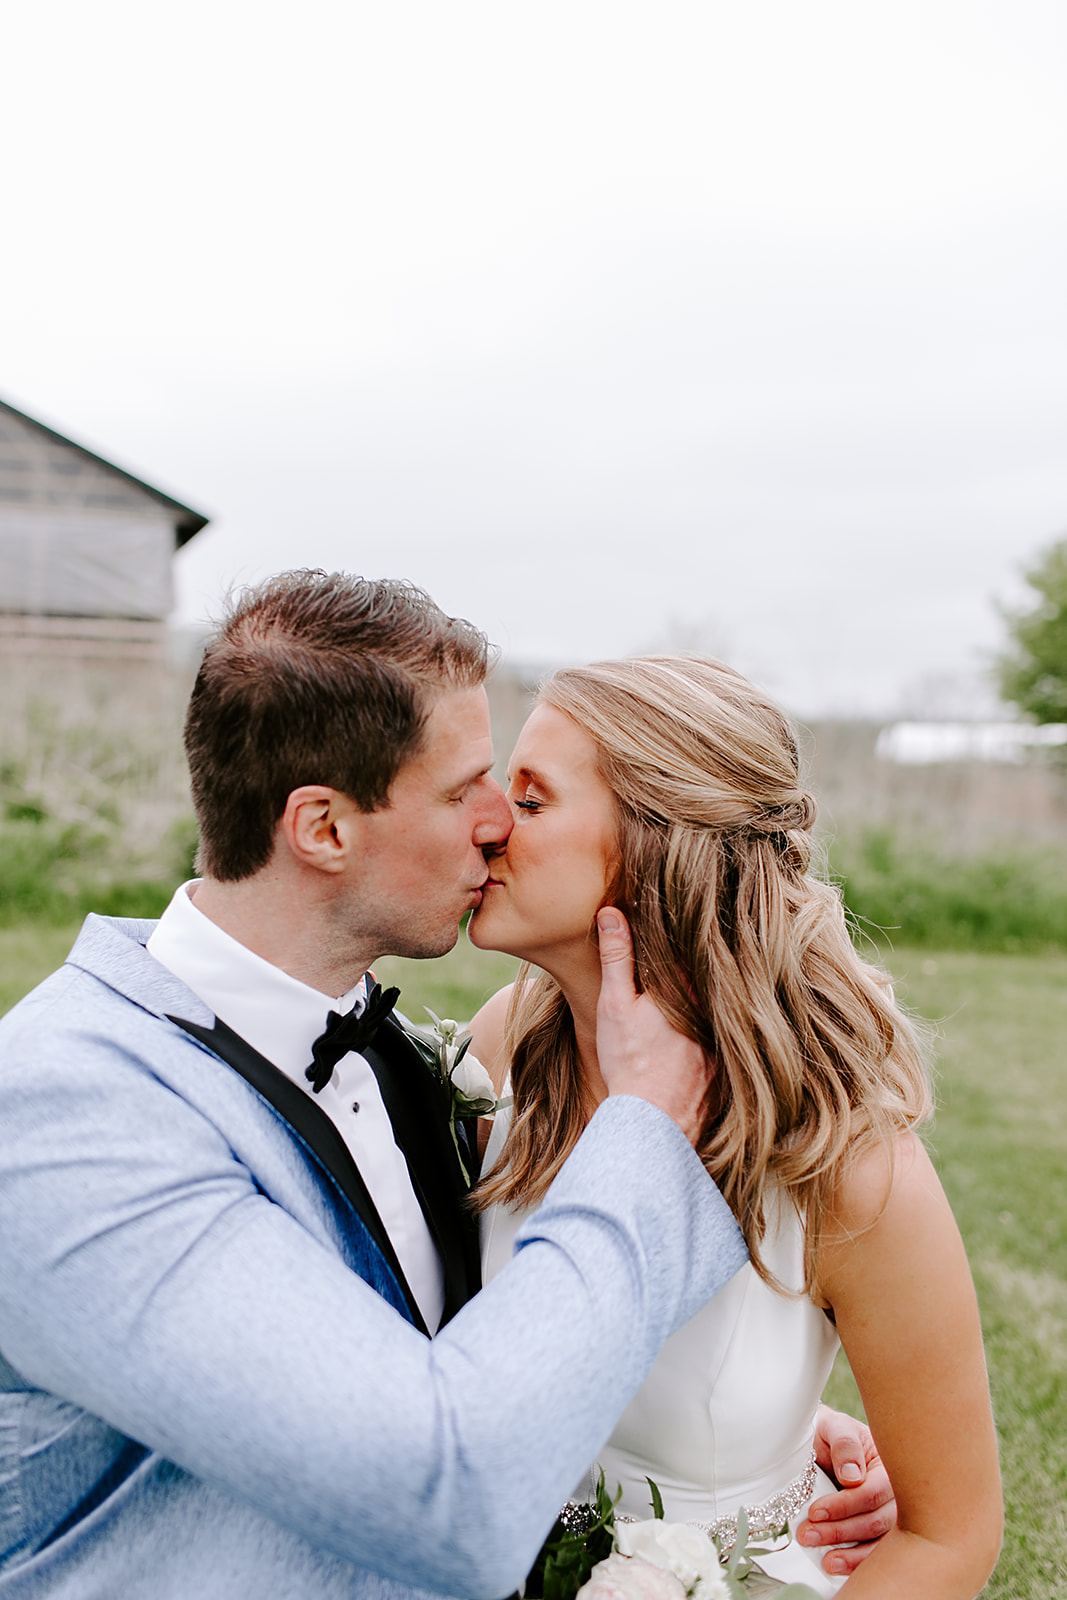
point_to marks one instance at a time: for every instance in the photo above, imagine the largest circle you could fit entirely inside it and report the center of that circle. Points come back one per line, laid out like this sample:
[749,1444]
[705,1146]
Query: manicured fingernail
[807,1535]
[837,1564]
[851,1472]
[818,1514]
[608,920]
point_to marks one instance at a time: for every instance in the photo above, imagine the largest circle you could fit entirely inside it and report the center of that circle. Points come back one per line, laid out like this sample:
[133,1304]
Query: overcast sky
[732,326]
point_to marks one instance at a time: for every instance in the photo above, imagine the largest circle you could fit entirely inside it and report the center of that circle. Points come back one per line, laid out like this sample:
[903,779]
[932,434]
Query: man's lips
[478,895]
[478,890]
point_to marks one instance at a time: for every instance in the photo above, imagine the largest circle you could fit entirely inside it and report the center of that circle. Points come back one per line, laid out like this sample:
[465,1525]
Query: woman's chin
[479,930]
[484,936]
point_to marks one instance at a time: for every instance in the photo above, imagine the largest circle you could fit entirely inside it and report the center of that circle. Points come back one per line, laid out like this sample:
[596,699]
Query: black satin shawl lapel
[416,1109]
[315,1131]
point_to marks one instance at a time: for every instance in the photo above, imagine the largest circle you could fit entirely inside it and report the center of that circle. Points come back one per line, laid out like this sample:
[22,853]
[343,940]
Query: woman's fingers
[863,1509]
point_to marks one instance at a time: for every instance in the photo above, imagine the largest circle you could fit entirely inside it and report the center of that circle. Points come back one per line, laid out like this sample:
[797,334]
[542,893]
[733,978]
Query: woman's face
[546,887]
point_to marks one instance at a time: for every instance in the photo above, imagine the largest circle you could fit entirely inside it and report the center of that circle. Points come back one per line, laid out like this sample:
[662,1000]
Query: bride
[668,787]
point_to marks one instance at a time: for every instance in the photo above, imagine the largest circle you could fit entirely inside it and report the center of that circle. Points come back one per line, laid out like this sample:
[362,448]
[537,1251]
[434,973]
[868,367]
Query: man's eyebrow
[472,777]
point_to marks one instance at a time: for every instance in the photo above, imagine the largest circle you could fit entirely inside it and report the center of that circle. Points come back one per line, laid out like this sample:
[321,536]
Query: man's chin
[428,947]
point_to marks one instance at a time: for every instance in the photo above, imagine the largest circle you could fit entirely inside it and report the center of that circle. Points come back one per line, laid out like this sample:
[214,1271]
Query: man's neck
[271,917]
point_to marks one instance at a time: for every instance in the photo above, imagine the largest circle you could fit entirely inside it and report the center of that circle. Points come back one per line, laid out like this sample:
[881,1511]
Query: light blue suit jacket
[200,1396]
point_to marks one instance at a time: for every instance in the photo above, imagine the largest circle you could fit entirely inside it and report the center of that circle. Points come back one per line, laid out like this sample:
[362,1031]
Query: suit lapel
[416,1107]
[314,1130]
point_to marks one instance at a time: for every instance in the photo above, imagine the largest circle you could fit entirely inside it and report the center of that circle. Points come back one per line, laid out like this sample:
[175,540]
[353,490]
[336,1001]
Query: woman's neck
[581,990]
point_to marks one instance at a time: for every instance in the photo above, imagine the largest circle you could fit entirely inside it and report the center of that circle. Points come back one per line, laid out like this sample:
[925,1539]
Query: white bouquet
[653,1560]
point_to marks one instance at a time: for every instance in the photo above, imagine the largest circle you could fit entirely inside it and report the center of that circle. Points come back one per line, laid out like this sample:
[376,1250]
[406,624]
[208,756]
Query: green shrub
[919,892]
[57,872]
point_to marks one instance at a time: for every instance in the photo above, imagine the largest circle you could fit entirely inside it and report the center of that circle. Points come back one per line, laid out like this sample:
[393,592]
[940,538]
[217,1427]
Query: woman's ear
[317,827]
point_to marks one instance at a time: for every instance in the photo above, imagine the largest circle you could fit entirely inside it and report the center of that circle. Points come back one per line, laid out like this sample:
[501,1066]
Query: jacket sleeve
[146,1278]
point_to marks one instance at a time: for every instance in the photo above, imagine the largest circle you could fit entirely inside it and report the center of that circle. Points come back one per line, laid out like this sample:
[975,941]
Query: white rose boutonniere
[472,1081]
[465,1083]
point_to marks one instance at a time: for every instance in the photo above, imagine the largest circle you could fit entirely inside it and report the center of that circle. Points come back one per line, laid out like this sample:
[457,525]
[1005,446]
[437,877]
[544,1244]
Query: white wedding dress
[725,1417]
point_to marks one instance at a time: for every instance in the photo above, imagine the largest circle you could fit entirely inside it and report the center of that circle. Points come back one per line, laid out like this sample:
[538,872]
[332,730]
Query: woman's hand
[864,1509]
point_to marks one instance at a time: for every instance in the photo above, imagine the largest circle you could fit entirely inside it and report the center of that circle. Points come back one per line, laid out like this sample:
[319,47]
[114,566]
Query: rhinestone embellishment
[764,1521]
[767,1519]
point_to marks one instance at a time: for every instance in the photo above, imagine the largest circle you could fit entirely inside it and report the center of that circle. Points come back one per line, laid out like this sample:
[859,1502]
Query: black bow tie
[345,1033]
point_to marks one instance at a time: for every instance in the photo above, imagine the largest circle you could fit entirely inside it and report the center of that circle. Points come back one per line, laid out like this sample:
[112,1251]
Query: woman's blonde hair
[741,947]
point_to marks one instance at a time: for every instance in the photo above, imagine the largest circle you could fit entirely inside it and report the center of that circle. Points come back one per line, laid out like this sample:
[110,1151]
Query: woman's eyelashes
[527,804]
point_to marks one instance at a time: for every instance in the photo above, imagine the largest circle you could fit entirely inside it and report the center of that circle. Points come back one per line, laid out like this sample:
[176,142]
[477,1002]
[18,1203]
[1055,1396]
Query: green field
[1000,1142]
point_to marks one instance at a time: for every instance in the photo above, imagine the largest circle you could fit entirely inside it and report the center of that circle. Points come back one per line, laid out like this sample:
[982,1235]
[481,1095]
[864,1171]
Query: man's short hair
[314,678]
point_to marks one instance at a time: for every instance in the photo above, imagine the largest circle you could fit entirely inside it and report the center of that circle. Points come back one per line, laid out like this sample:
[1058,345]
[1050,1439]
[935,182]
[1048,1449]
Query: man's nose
[496,819]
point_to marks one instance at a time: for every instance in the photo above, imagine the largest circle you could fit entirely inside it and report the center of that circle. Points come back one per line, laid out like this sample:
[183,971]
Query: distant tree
[1033,675]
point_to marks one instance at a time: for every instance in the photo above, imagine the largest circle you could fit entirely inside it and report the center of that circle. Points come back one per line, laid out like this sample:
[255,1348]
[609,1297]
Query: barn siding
[77,539]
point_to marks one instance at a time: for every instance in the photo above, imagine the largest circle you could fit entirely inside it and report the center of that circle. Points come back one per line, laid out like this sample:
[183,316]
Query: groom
[228,1218]
[230,1210]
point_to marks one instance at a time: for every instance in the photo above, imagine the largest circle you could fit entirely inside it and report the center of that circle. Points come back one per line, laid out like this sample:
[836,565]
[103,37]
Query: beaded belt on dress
[764,1520]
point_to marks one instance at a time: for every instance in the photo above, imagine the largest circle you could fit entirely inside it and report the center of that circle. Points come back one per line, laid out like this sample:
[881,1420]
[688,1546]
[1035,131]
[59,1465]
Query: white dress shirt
[281,1018]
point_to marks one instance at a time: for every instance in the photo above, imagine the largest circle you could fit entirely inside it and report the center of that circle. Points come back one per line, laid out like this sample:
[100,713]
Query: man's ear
[318,826]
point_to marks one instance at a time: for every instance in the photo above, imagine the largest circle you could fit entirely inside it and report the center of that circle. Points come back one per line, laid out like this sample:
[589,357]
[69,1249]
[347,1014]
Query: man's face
[422,865]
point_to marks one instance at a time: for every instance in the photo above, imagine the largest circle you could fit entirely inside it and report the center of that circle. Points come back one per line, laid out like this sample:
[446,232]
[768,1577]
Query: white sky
[738,326]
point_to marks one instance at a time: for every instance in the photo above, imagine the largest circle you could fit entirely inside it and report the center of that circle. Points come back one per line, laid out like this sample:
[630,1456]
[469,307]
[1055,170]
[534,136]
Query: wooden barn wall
[75,538]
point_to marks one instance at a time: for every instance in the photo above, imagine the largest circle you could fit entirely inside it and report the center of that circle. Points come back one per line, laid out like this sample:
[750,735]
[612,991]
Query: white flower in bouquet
[620,1578]
[679,1548]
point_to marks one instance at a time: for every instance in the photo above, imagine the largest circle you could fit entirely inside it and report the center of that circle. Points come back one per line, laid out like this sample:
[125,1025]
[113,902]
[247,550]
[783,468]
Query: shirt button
[355,1105]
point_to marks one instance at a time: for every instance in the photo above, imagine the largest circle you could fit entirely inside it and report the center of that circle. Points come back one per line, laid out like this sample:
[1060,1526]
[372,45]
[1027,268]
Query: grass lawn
[1000,1143]
[455,986]
[29,951]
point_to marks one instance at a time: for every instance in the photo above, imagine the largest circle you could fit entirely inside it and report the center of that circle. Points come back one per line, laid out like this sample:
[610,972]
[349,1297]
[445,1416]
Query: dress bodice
[725,1417]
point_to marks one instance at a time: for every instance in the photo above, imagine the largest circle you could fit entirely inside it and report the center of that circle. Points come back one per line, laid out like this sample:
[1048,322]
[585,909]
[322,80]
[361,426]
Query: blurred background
[739,329]
[730,328]
[733,327]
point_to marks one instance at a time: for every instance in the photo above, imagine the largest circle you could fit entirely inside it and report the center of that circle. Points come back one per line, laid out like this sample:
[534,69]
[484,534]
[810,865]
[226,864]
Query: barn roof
[187,522]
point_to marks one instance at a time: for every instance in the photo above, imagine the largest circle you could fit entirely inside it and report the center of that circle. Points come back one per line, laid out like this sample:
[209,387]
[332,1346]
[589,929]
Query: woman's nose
[497,820]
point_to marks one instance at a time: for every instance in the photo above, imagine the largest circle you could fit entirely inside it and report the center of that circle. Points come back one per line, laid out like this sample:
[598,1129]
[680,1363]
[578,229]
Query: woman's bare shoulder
[885,1197]
[897,1172]
[487,1035]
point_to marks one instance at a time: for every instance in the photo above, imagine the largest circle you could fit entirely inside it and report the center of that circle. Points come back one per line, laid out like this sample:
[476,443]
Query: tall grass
[93,814]
[54,871]
[922,892]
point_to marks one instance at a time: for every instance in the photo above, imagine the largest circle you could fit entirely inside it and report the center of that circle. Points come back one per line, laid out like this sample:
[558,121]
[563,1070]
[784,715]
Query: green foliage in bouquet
[568,1556]
[740,1562]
